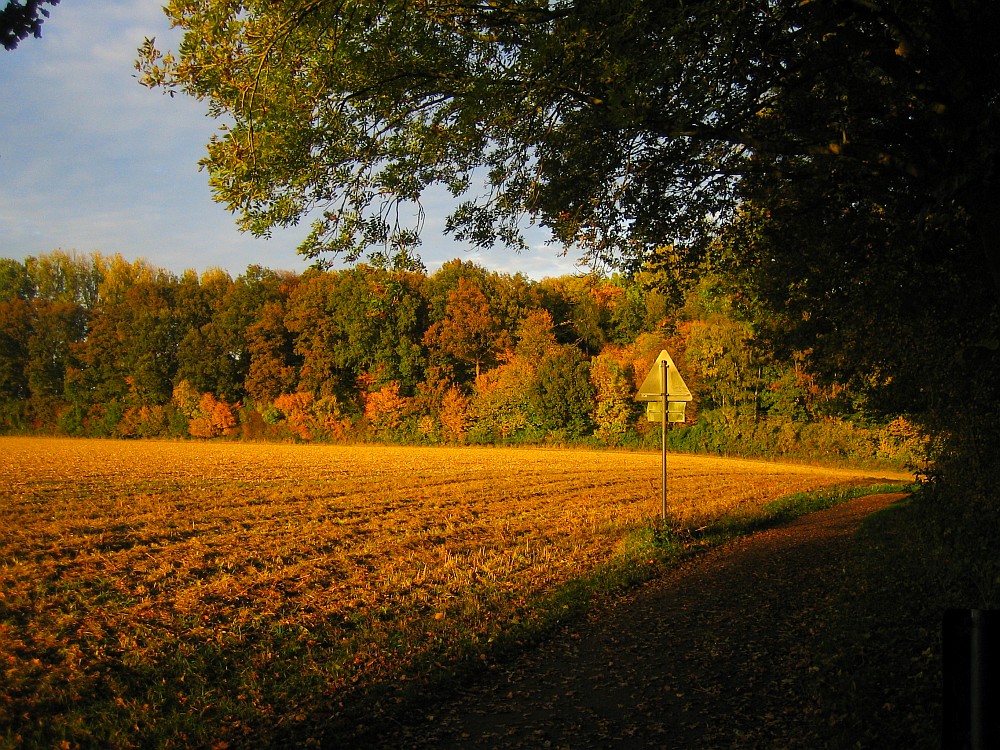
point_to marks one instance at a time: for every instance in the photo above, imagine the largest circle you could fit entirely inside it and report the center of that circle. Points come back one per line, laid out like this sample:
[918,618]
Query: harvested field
[228,594]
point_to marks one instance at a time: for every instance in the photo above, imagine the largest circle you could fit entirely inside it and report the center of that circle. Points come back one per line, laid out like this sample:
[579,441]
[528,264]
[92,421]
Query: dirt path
[711,655]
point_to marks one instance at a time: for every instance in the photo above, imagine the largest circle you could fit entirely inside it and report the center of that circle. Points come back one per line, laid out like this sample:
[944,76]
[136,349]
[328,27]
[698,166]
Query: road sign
[666,395]
[675,411]
[652,391]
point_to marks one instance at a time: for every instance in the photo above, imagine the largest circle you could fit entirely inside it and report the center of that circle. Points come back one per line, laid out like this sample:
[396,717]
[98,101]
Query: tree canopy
[99,346]
[620,125]
[837,156]
[20,19]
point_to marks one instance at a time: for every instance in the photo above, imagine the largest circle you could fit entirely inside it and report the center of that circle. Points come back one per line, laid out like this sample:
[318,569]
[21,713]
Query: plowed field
[220,594]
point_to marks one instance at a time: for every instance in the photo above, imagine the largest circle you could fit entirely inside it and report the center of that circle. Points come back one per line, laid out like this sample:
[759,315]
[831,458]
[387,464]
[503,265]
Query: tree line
[101,346]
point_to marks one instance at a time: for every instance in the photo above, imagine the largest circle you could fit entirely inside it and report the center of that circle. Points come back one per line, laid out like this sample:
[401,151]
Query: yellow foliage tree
[612,377]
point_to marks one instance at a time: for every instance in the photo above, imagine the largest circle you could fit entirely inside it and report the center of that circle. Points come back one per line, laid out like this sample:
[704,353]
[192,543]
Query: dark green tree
[563,396]
[213,356]
[362,321]
[16,316]
[20,19]
[15,282]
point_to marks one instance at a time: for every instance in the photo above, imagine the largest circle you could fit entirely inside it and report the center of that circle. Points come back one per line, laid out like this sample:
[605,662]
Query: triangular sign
[652,389]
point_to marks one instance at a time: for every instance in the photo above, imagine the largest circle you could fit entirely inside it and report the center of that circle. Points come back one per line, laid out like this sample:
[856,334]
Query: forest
[101,346]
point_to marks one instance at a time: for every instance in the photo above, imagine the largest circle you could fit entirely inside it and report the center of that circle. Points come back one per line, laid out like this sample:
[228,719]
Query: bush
[212,418]
[143,422]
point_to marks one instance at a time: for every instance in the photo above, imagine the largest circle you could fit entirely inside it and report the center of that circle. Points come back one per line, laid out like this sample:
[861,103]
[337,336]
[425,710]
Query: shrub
[386,408]
[212,418]
[143,422]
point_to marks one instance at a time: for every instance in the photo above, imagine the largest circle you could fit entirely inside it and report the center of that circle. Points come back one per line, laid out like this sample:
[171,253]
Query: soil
[715,654]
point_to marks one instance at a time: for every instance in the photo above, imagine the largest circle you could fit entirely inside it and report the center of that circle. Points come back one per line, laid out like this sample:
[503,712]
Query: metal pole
[663,436]
[977,648]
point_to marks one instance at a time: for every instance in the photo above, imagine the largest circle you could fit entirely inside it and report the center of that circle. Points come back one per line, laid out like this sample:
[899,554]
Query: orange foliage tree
[470,332]
[296,409]
[212,418]
[454,415]
[386,408]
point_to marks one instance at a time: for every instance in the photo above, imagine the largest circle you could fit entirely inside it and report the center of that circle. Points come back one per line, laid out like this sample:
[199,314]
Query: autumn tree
[864,132]
[454,415]
[273,364]
[129,357]
[385,408]
[535,337]
[211,418]
[470,333]
[613,379]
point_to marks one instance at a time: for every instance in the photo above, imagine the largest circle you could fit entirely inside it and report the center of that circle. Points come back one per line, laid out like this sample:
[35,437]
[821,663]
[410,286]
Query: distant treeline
[100,346]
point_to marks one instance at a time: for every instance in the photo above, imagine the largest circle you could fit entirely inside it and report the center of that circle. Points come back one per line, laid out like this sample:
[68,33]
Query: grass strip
[785,509]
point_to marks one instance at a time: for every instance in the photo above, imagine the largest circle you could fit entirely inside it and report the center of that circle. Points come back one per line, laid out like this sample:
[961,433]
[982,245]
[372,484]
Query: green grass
[777,512]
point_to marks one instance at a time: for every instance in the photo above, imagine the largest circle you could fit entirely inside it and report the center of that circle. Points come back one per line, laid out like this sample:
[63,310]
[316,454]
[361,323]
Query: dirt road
[712,655]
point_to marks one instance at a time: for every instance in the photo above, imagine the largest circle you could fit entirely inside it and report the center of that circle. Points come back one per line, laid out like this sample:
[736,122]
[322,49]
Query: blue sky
[90,160]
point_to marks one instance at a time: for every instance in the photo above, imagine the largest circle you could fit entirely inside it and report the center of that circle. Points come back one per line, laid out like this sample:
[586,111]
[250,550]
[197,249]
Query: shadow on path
[713,654]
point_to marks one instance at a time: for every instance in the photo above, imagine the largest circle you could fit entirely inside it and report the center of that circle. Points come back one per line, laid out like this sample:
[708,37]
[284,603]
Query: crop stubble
[256,585]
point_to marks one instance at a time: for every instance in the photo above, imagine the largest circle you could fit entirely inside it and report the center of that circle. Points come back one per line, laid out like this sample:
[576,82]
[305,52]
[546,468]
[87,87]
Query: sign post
[663,437]
[666,395]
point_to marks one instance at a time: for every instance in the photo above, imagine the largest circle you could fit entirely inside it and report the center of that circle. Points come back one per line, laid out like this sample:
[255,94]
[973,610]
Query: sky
[92,161]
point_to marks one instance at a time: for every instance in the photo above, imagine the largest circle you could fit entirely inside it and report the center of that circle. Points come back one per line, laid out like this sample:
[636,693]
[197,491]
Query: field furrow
[179,594]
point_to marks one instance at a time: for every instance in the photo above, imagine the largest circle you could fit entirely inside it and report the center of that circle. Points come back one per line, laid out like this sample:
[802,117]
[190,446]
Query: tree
[15,282]
[58,326]
[350,323]
[563,395]
[272,368]
[613,380]
[615,123]
[501,403]
[535,337]
[207,359]
[719,350]
[16,317]
[20,19]
[385,408]
[211,418]
[861,135]
[470,332]
[130,354]
[214,354]
[66,277]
